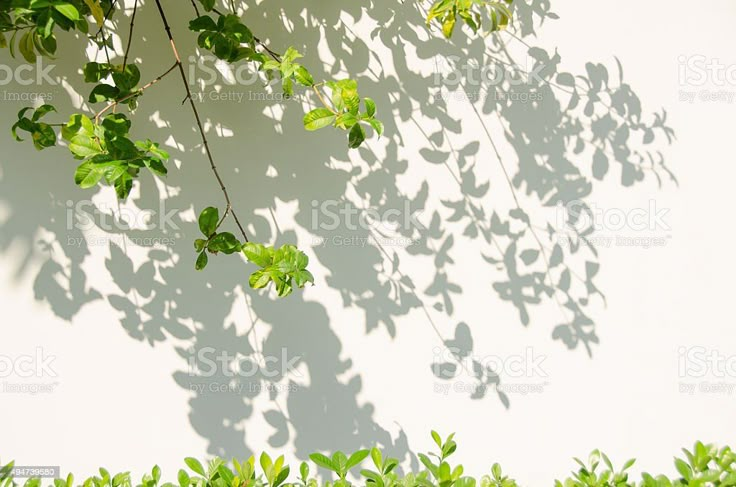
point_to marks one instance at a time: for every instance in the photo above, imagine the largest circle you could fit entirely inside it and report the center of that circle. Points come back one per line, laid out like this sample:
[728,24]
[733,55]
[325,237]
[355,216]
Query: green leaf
[88,175]
[116,124]
[224,242]
[684,469]
[318,118]
[303,277]
[303,77]
[267,465]
[95,9]
[370,106]
[156,166]
[356,458]
[123,185]
[44,136]
[126,79]
[41,111]
[200,244]
[203,23]
[83,146]
[323,461]
[437,439]
[68,10]
[183,478]
[258,254]
[281,477]
[78,124]
[26,47]
[156,473]
[259,279]
[377,458]
[208,221]
[377,125]
[448,26]
[208,5]
[103,92]
[193,463]
[95,72]
[356,136]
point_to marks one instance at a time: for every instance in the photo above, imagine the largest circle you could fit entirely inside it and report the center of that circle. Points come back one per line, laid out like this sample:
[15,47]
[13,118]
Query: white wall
[122,397]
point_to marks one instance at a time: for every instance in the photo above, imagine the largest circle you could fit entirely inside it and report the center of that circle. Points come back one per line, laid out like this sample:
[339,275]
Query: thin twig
[271,53]
[130,35]
[185,82]
[321,98]
[106,18]
[135,93]
[196,10]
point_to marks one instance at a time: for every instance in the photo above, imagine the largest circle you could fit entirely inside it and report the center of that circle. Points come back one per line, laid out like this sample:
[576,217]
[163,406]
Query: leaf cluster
[475,13]
[704,466]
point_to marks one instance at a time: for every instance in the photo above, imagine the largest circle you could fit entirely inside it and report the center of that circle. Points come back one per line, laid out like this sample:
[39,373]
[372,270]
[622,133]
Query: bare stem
[321,98]
[270,52]
[130,35]
[196,10]
[185,82]
[106,18]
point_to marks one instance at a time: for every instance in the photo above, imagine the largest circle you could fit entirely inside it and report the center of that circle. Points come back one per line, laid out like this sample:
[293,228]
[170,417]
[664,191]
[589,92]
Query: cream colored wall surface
[121,322]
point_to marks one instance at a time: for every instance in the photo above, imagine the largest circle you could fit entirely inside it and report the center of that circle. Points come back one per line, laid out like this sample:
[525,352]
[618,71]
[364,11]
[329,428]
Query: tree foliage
[101,142]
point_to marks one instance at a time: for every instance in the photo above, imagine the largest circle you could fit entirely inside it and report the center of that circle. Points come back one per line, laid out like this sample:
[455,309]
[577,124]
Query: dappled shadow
[547,141]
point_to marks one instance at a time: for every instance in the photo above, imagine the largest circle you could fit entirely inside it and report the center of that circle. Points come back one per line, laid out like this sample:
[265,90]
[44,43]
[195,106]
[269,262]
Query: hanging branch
[185,82]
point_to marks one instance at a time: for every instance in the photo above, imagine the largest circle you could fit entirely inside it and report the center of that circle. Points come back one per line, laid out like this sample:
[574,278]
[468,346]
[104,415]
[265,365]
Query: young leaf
[194,464]
[208,221]
[318,118]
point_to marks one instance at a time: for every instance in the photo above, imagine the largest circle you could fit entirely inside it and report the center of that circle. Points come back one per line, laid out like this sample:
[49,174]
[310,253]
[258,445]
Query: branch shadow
[554,136]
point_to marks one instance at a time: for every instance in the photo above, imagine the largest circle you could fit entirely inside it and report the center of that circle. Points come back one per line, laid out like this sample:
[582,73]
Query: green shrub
[705,465]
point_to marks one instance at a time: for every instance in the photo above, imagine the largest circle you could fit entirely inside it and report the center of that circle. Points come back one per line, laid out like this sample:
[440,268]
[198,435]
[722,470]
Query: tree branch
[130,35]
[185,82]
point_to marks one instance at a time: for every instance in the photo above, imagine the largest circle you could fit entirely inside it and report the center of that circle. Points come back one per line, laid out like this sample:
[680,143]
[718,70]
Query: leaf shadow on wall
[553,135]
